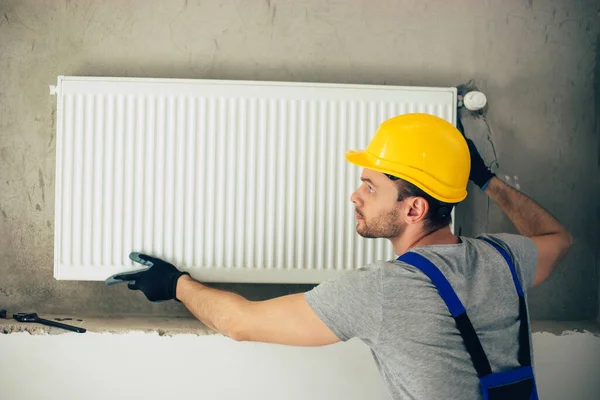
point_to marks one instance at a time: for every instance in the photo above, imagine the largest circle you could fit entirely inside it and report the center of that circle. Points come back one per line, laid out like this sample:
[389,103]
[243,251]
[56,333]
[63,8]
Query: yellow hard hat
[422,149]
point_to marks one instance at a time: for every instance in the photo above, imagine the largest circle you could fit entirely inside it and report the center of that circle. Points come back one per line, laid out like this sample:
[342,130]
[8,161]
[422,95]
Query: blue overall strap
[524,345]
[456,308]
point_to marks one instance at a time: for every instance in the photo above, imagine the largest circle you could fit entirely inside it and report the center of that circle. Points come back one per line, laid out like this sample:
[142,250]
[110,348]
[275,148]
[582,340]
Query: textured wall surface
[534,59]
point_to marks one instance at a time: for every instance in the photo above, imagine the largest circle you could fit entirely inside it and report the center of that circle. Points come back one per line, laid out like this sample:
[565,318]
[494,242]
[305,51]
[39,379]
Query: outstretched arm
[284,320]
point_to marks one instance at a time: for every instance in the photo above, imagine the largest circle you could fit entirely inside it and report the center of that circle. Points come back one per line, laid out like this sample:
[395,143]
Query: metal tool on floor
[34,318]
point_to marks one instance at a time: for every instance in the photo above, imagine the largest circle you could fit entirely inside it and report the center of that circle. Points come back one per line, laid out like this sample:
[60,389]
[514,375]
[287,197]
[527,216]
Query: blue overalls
[516,384]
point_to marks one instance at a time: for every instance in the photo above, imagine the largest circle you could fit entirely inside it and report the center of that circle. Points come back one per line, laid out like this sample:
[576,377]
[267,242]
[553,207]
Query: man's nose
[354,198]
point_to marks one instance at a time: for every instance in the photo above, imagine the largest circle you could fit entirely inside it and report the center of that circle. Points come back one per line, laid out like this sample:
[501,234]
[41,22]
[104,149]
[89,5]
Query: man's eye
[371,190]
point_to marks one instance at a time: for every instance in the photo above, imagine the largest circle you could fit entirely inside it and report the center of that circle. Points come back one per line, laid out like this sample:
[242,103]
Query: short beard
[384,226]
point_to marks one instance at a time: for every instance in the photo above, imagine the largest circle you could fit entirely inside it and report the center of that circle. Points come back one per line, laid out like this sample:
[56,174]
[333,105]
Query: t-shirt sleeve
[350,304]
[524,253]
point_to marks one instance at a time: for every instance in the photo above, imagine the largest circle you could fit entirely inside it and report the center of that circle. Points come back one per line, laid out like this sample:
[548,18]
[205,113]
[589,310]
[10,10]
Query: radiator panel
[232,181]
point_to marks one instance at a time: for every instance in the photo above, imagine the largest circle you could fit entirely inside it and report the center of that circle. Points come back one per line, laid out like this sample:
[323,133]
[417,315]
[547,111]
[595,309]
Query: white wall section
[97,366]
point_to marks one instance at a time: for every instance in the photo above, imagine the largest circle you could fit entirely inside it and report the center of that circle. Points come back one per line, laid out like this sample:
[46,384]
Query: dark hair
[439,213]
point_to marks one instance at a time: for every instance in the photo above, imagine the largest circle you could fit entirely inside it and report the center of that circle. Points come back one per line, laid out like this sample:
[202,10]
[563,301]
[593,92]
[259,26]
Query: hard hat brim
[364,159]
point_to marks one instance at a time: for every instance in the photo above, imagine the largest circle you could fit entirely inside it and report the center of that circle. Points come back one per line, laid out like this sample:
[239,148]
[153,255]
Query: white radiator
[232,181]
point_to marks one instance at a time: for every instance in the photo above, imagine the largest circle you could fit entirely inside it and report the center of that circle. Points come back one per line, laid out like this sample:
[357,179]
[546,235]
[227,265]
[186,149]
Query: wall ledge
[171,325]
[163,325]
[565,327]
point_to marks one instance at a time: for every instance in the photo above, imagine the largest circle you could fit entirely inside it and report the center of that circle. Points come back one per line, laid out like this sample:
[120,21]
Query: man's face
[376,206]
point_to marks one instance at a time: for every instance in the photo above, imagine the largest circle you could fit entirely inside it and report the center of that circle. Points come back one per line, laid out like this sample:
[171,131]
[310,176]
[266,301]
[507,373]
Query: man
[416,169]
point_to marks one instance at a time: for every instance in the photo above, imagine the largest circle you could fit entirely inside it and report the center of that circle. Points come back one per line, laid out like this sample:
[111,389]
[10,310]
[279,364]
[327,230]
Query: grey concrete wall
[597,123]
[534,59]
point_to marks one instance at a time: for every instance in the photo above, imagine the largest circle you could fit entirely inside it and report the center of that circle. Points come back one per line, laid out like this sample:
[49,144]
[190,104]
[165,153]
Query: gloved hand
[158,283]
[480,173]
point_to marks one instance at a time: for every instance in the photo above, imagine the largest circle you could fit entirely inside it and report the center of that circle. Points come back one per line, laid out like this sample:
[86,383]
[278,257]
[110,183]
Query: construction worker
[433,335]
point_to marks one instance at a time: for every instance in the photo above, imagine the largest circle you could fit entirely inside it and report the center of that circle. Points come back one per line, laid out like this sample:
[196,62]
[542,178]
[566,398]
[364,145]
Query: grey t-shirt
[396,310]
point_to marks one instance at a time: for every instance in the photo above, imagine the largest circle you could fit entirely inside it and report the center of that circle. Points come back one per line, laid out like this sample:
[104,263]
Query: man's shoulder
[390,271]
[501,237]
[522,251]
[400,273]
[510,242]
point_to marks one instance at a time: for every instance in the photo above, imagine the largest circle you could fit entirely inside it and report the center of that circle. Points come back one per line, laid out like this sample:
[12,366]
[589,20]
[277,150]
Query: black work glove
[158,283]
[480,173]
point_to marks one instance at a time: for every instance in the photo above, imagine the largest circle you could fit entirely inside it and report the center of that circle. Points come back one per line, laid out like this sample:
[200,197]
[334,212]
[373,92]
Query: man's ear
[416,209]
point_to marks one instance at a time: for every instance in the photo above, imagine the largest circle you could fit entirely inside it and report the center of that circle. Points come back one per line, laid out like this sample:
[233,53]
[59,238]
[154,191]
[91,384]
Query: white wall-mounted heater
[232,181]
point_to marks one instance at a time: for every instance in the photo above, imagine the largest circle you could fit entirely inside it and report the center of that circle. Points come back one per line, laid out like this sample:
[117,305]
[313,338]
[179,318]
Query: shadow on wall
[333,72]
